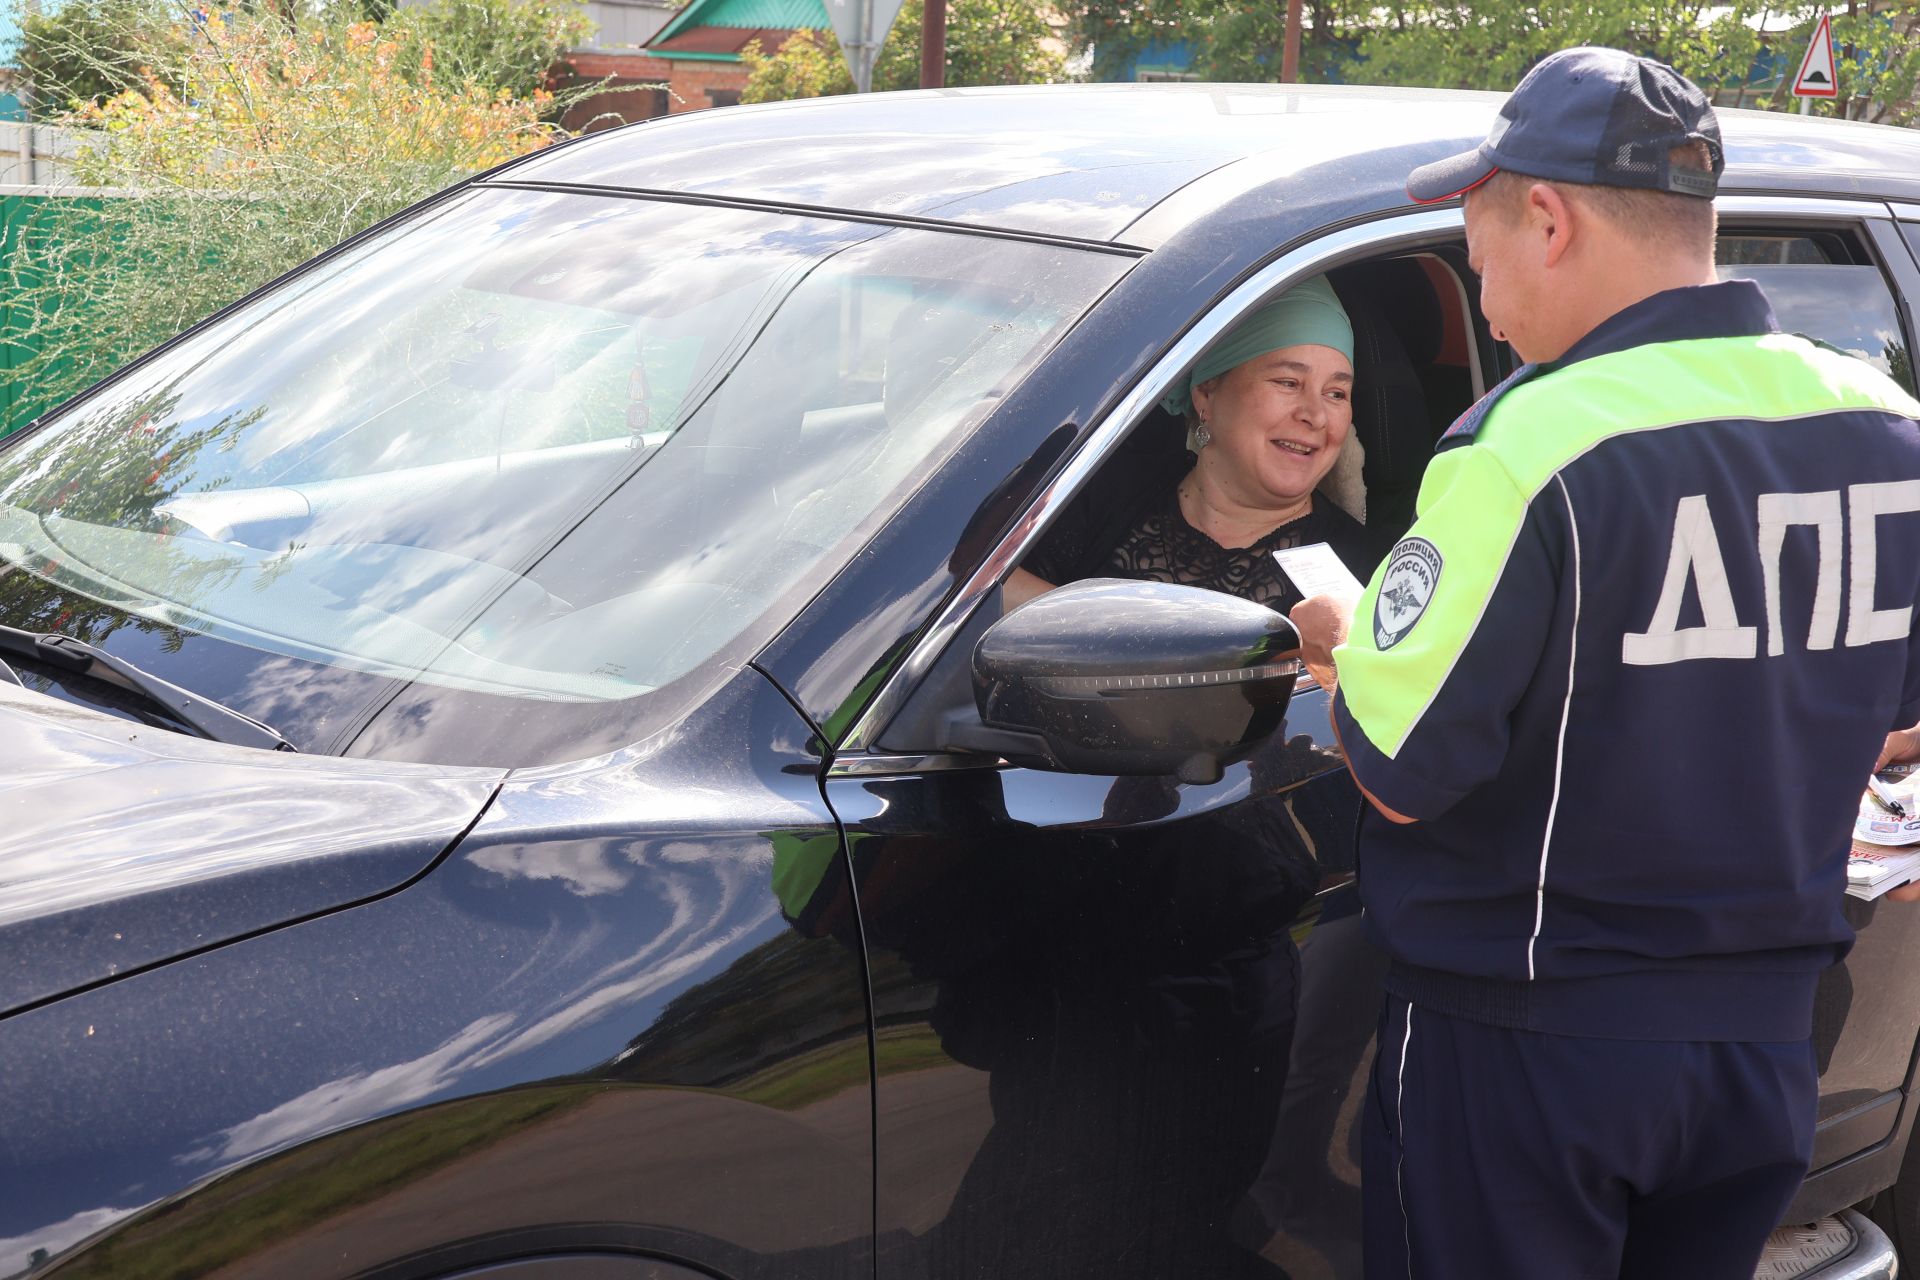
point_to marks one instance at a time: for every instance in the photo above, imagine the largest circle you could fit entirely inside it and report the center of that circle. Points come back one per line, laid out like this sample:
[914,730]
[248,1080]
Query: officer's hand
[1322,624]
[1905,893]
[1902,745]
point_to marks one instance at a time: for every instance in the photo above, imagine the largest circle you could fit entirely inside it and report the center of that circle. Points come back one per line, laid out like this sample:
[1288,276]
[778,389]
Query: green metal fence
[21,219]
[15,210]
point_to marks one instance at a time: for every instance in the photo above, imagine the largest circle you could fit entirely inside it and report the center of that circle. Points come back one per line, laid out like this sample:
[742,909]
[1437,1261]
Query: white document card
[1317,571]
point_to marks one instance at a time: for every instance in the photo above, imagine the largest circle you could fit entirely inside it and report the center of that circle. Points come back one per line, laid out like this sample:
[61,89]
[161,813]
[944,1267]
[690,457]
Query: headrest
[1403,297]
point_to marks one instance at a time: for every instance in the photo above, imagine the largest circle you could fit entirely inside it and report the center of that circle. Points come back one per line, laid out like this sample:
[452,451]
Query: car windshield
[551,446]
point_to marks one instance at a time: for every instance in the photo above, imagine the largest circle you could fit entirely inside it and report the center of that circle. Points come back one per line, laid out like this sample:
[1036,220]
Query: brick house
[615,53]
[694,52]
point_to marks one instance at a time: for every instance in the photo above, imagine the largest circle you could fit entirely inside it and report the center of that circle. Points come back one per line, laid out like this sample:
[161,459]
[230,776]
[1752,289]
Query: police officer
[1614,697]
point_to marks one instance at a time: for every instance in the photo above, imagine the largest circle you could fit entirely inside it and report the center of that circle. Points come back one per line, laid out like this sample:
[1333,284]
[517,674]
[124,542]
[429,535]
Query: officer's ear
[1554,221]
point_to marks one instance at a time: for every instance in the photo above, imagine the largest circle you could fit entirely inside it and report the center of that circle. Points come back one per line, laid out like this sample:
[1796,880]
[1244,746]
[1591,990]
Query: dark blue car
[491,737]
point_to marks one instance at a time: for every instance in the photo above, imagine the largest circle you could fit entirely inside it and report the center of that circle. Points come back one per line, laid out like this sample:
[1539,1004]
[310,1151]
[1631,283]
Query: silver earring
[1198,437]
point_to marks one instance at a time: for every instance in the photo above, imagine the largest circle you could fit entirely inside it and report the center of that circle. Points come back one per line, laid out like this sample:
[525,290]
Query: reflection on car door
[1086,991]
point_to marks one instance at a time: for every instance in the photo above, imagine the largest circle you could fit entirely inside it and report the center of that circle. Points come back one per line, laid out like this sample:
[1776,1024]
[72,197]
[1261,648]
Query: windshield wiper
[201,716]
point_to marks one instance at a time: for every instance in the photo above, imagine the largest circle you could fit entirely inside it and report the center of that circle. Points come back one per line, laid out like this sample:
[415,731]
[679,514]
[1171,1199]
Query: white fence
[34,154]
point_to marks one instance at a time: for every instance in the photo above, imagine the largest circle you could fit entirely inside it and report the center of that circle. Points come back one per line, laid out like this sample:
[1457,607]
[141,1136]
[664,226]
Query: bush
[988,42]
[249,145]
[80,51]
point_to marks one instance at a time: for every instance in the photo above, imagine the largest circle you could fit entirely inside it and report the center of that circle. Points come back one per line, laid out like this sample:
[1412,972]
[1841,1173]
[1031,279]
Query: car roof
[1089,162]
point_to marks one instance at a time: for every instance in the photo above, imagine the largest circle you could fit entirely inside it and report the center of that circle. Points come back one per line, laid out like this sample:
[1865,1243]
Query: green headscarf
[1306,315]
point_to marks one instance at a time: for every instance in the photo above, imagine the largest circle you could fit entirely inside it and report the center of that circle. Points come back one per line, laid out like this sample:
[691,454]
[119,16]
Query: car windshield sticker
[1412,573]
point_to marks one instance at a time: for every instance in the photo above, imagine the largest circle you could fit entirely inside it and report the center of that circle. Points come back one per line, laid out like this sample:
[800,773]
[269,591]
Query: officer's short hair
[1681,224]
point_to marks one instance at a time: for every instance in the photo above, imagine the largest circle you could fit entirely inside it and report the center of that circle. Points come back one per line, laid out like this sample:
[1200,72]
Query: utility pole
[1290,49]
[933,44]
[1853,72]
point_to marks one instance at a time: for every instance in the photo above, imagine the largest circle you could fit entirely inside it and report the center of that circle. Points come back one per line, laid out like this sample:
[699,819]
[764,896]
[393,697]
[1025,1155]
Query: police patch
[1413,571]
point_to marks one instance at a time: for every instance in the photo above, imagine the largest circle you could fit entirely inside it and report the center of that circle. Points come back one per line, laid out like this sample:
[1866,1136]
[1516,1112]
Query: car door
[1125,1024]
[1120,1022]
[1838,272]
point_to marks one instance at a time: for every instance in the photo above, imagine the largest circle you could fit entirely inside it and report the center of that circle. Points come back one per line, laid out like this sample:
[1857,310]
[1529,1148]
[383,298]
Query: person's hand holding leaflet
[1902,745]
[1322,622]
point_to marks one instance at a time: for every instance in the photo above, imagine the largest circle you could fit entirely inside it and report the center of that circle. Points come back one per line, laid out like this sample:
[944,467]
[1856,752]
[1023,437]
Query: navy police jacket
[1630,669]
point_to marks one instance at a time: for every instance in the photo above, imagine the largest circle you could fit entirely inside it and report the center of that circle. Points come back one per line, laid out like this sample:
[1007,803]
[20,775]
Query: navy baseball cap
[1594,116]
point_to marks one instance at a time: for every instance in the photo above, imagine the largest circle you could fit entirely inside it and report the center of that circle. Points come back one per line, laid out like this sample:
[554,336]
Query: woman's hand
[1322,623]
[1021,587]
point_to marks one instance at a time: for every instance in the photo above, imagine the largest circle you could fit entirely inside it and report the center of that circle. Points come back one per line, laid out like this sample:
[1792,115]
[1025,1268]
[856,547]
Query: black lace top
[1158,545]
[1237,874]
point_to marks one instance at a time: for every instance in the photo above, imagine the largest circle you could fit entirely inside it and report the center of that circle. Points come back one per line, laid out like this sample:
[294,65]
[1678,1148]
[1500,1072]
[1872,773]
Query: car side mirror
[1112,676]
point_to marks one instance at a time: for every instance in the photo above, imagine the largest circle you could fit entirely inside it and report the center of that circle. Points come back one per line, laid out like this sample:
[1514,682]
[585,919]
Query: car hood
[123,846]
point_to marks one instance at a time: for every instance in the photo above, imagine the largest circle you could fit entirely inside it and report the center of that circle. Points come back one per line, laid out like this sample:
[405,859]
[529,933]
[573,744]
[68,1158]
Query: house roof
[750,15]
[717,42]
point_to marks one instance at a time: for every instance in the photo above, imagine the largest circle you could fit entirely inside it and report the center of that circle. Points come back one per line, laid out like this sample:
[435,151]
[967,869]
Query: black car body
[773,966]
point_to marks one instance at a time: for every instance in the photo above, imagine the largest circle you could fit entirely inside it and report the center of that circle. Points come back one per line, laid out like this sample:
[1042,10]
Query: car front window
[551,446]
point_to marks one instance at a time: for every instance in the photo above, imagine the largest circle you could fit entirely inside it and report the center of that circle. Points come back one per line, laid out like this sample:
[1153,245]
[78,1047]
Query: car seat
[1396,328]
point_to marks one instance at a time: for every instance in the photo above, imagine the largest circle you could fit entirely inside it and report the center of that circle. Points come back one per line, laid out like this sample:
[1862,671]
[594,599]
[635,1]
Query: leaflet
[1889,814]
[1872,871]
[1886,834]
[1317,571]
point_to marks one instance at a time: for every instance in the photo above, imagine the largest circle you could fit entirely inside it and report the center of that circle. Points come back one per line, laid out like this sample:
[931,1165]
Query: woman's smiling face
[1278,421]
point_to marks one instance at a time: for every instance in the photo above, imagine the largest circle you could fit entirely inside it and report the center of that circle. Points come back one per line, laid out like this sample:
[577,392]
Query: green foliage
[247,148]
[1878,59]
[988,42]
[499,44]
[1230,39]
[1490,44]
[86,50]
[808,65]
[78,51]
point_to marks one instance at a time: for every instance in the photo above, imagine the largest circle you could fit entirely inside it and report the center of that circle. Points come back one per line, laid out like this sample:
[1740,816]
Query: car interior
[1420,357]
[1423,355]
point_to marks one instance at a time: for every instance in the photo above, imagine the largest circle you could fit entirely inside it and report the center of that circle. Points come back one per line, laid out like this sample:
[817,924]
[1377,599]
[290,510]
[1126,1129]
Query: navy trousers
[1515,1155]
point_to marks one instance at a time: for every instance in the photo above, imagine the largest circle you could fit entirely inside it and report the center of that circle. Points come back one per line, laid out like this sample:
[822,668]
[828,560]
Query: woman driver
[1269,408]
[1143,1037]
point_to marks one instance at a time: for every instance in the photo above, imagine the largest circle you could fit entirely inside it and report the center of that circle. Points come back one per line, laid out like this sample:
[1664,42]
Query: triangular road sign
[1816,78]
[862,26]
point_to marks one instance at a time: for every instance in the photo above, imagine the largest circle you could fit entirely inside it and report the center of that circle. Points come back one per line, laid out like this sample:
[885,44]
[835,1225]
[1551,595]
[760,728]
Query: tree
[1490,44]
[1494,43]
[1229,39]
[988,42]
[808,65]
[1877,56]
[510,45]
[87,50]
